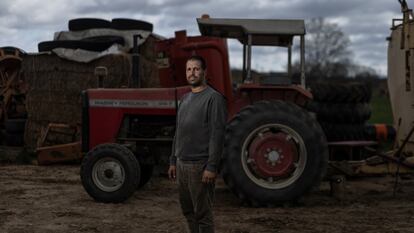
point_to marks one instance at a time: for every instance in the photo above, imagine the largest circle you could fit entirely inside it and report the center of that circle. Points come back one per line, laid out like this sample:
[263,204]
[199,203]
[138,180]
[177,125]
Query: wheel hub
[108,174]
[272,154]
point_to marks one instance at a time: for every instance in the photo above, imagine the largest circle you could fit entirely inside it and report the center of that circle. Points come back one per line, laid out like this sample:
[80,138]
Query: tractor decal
[114,103]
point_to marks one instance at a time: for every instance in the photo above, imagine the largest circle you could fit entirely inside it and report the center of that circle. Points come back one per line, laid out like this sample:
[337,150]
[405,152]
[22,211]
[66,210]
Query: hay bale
[55,86]
[148,68]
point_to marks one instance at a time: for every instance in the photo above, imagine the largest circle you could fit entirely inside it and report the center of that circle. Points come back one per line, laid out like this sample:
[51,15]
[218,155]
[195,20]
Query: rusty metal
[349,147]
[12,86]
[377,164]
[51,127]
[364,168]
[58,153]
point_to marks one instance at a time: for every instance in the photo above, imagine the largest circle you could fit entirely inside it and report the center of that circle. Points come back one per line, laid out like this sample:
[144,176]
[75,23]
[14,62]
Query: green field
[381,109]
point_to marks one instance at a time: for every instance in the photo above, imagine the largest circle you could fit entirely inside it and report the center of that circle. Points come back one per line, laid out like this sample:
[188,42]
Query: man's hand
[172,172]
[208,177]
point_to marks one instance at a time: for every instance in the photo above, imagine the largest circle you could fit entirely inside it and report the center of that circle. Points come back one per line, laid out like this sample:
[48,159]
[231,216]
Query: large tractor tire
[274,152]
[110,173]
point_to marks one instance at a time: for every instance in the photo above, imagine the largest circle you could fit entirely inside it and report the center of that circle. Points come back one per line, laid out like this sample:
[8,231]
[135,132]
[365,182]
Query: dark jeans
[196,198]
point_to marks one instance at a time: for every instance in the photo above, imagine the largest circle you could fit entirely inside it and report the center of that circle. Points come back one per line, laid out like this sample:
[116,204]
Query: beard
[198,81]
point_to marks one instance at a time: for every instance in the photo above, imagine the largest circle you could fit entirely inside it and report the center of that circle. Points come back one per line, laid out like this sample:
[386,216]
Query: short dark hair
[200,59]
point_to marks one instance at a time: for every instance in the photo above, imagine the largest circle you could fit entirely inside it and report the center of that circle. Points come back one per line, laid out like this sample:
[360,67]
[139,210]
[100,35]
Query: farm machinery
[275,150]
[12,96]
[400,81]
[280,137]
[400,159]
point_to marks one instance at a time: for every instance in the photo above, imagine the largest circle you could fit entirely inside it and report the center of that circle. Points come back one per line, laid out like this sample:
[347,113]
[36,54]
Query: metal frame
[247,57]
[259,32]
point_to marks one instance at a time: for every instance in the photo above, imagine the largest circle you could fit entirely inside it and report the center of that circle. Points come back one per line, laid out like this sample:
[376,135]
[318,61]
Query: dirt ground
[51,199]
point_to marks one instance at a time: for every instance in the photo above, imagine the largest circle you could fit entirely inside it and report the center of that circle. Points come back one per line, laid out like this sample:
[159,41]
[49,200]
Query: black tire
[87,23]
[340,113]
[264,121]
[15,125]
[101,182]
[146,174]
[14,139]
[343,132]
[97,46]
[341,92]
[131,24]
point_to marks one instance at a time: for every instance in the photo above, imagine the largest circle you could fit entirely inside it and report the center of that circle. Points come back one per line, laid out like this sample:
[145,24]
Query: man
[197,147]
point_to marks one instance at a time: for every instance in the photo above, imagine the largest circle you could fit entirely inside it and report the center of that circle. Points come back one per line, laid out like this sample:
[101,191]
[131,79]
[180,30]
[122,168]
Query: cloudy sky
[25,23]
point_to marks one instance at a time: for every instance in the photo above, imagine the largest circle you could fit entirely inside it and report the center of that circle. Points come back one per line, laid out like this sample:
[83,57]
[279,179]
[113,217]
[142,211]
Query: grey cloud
[5,7]
[368,21]
[131,7]
[119,7]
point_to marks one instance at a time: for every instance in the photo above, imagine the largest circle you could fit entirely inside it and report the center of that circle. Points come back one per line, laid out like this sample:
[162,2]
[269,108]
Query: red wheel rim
[274,154]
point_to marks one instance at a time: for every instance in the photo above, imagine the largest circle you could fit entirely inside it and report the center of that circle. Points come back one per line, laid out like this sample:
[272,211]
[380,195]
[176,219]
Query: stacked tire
[341,109]
[97,43]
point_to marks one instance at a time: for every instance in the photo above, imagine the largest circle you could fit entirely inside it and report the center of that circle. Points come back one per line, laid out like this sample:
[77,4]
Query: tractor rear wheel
[274,152]
[110,173]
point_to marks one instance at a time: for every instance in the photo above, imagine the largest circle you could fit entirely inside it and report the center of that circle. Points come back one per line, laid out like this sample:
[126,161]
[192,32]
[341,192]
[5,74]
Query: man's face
[195,74]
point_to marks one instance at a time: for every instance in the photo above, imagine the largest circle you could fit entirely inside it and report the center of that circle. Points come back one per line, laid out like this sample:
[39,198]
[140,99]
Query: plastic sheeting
[85,56]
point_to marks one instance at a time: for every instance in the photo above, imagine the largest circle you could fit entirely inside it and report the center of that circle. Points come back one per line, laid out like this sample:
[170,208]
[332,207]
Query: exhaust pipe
[136,83]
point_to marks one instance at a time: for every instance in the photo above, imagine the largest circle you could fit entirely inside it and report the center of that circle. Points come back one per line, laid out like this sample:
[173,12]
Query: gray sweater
[199,134]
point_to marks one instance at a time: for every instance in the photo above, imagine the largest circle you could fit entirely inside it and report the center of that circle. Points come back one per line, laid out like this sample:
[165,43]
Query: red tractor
[275,150]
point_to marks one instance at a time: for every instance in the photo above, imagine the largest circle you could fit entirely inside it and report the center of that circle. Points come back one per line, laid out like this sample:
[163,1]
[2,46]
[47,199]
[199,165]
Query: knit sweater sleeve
[217,115]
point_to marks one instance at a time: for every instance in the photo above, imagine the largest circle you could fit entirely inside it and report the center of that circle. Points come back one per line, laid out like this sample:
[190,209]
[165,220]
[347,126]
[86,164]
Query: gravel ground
[51,199]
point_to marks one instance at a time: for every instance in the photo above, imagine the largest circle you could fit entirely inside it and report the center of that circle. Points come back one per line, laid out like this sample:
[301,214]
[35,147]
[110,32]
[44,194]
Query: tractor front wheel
[110,173]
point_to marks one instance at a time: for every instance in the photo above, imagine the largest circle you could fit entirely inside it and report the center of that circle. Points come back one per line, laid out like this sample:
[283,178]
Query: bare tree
[327,51]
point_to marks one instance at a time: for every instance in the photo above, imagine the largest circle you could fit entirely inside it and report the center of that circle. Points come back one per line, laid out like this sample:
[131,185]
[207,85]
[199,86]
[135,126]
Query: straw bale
[148,68]
[55,86]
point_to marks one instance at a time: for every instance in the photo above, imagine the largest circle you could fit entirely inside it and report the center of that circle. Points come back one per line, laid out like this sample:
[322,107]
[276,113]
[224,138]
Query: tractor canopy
[271,32]
[259,32]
